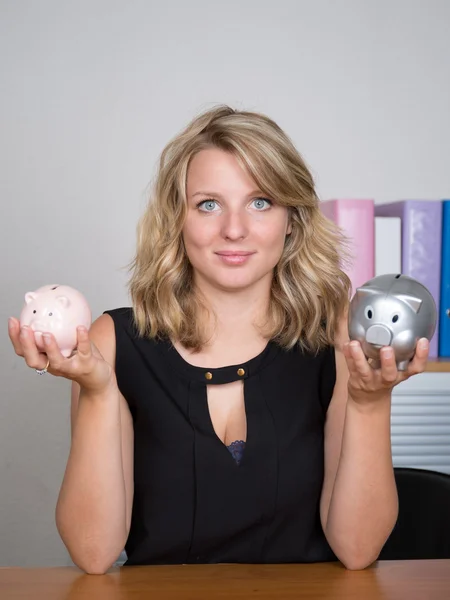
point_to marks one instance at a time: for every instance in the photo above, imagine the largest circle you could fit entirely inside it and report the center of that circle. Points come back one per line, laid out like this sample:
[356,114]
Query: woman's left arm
[359,503]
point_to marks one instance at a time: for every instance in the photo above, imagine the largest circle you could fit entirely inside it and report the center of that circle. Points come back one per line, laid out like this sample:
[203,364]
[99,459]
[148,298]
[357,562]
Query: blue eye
[207,205]
[262,203]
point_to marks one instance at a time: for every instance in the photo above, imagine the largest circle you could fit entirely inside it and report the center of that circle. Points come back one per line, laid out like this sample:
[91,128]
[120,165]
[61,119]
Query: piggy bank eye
[34,311]
[395,318]
[50,314]
[368,312]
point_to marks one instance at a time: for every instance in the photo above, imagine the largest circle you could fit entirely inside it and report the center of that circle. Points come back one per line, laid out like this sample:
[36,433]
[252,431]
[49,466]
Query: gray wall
[91,91]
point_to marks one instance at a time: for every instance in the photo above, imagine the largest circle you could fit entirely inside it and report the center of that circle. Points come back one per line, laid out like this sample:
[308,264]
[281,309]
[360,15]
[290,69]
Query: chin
[234,281]
[232,285]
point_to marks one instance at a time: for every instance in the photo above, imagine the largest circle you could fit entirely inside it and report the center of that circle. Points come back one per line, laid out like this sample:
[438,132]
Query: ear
[412,301]
[289,225]
[63,301]
[366,292]
[29,297]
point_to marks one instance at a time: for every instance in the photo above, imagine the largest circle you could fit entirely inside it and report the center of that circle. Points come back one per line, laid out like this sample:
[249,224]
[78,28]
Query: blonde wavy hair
[309,292]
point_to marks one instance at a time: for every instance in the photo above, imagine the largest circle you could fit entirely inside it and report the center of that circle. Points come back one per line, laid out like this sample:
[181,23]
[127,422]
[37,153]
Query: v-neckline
[201,377]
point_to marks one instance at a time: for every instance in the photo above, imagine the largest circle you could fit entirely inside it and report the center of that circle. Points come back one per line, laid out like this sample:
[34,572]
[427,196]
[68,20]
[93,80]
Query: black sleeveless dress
[192,502]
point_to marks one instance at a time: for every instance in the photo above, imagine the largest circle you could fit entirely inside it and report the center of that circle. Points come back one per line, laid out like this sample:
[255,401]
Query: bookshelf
[438,365]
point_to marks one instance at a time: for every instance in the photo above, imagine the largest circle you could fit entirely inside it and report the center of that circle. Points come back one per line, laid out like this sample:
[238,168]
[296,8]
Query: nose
[379,335]
[234,225]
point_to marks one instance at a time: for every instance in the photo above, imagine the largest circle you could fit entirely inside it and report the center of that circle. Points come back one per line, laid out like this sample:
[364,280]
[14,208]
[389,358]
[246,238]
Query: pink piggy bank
[57,309]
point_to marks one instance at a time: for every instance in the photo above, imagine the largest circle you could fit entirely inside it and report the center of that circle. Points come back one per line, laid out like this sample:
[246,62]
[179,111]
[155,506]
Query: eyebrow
[216,195]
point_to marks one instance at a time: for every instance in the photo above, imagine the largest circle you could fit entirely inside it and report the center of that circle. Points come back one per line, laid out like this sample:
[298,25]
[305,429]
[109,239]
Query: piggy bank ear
[29,297]
[412,301]
[363,293]
[63,301]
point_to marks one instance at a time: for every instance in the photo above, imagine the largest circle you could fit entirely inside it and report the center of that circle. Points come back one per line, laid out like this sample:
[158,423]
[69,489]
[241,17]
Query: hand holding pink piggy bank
[56,309]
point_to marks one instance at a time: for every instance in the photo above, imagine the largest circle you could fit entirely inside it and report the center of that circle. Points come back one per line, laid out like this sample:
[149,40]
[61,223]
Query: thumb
[84,348]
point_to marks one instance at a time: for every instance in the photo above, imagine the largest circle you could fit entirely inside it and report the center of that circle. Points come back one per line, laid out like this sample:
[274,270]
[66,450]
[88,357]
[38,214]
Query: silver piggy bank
[391,310]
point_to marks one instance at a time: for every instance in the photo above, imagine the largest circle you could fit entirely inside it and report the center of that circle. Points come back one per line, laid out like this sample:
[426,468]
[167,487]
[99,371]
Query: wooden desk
[389,580]
[438,365]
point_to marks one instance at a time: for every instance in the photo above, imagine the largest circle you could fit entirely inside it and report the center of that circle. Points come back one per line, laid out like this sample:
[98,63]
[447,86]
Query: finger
[53,352]
[32,356]
[389,372]
[84,346]
[363,369]
[13,332]
[349,358]
[419,361]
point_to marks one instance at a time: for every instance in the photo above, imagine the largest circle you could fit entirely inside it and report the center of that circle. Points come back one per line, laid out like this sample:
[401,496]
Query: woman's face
[233,234]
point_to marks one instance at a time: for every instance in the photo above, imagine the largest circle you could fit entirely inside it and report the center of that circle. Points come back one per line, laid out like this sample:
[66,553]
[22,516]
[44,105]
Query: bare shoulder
[340,389]
[103,335]
[341,336]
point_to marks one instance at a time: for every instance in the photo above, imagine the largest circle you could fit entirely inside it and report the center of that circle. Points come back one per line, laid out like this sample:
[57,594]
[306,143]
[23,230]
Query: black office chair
[422,530]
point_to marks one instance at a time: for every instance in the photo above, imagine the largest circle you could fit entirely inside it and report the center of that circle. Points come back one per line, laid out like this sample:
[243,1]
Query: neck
[236,316]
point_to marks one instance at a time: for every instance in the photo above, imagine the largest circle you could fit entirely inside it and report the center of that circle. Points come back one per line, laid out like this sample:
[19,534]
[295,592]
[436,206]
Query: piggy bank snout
[39,325]
[379,335]
[45,324]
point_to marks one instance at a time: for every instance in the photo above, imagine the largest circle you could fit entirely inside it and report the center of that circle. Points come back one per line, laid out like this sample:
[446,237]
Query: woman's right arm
[93,512]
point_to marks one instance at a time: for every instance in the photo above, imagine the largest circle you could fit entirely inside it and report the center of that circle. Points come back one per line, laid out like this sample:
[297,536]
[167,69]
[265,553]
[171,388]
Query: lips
[234,257]
[234,253]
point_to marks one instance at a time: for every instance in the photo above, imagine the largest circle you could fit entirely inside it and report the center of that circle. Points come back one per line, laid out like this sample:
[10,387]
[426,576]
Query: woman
[225,417]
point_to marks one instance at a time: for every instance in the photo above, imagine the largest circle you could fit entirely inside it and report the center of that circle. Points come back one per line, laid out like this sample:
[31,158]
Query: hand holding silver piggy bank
[391,310]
